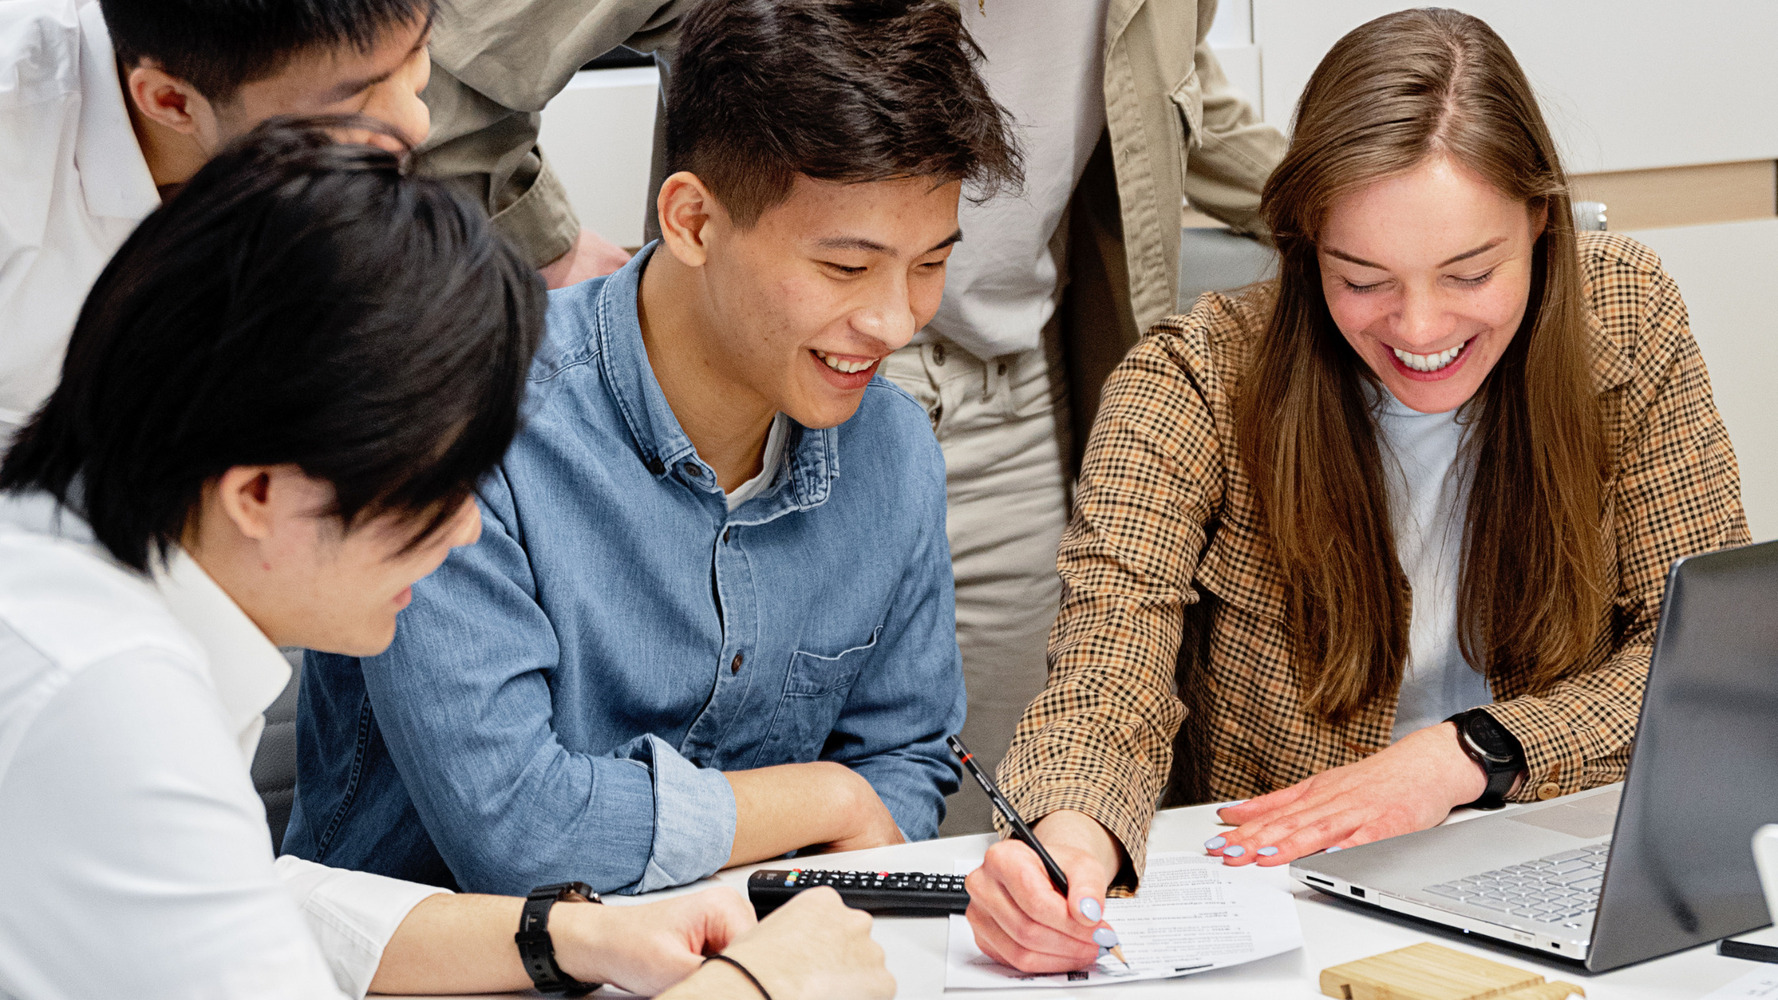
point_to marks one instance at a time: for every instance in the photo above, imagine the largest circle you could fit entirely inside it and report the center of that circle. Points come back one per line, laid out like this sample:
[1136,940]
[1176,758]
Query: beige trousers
[1002,423]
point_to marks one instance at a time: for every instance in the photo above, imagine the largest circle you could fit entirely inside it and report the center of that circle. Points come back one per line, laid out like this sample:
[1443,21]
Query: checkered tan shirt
[1173,616]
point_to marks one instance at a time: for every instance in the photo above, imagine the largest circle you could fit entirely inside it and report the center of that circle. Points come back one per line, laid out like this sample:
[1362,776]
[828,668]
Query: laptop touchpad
[1589,818]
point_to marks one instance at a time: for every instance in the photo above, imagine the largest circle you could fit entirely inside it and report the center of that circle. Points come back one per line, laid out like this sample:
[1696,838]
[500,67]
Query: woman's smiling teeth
[1427,362]
[842,365]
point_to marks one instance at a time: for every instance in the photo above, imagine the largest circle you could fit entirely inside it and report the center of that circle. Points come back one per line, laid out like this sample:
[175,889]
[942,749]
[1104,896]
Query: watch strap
[536,949]
[1495,750]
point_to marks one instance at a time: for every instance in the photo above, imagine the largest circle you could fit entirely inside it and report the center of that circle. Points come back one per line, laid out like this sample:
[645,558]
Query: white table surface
[1332,933]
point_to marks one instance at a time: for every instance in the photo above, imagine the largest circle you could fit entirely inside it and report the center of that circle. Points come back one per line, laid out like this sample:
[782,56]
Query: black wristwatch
[536,949]
[1497,752]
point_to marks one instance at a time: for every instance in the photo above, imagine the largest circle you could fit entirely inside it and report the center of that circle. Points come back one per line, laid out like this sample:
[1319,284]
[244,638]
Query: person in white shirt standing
[277,401]
[1122,108]
[105,107]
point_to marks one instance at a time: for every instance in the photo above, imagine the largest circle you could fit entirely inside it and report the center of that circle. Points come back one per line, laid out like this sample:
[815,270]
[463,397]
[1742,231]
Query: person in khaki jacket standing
[1125,113]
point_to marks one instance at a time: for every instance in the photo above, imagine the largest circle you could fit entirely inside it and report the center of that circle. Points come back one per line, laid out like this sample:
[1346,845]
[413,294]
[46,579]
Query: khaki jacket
[1171,669]
[1174,130]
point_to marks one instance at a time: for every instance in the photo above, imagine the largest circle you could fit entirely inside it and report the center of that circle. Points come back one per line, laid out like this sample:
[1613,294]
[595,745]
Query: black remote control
[902,894]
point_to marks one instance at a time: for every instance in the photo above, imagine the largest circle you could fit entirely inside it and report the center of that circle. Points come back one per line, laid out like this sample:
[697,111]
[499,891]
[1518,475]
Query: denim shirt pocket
[815,690]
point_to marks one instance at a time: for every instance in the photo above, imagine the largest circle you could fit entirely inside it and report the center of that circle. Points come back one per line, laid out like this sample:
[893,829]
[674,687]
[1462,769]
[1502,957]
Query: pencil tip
[1119,952]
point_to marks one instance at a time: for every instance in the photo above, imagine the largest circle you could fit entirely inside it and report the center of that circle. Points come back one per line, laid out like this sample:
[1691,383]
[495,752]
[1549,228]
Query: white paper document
[1193,914]
[1760,984]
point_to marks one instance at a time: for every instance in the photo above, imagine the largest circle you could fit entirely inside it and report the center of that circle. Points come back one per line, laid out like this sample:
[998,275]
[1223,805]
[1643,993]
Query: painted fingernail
[1214,842]
[1105,937]
[1089,908]
[1333,849]
[1235,851]
[1266,852]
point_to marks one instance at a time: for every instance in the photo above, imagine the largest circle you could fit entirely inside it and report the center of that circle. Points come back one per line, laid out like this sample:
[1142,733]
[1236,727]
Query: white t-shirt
[1046,64]
[134,854]
[75,185]
[768,465]
[1428,502]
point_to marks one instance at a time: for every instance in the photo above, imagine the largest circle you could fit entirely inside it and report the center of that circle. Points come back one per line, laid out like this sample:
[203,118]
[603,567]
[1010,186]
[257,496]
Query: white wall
[1626,84]
[1728,274]
[599,135]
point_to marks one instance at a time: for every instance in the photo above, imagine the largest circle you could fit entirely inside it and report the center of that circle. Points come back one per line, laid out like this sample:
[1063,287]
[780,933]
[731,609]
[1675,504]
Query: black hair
[218,45]
[840,90]
[300,301]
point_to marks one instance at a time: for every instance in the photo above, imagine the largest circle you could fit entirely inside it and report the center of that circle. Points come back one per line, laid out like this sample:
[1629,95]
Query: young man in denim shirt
[710,617]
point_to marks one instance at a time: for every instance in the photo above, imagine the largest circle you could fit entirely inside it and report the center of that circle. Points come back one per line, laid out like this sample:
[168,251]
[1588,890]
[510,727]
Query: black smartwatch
[1497,752]
[536,949]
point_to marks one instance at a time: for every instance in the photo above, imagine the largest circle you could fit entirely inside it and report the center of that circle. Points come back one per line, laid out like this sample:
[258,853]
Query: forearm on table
[715,981]
[464,944]
[454,944]
[790,806]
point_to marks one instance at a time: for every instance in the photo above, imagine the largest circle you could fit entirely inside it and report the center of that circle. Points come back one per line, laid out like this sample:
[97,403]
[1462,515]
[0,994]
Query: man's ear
[246,496]
[689,216]
[170,101]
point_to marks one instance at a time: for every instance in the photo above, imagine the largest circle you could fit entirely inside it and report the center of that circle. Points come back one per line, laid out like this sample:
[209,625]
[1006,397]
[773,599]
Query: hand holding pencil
[1037,902]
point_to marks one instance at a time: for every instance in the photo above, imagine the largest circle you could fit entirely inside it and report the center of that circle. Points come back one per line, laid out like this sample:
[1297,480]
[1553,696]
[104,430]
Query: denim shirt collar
[811,458]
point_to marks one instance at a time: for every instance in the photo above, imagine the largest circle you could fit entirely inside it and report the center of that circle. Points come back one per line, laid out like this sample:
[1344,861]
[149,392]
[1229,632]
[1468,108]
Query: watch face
[1489,736]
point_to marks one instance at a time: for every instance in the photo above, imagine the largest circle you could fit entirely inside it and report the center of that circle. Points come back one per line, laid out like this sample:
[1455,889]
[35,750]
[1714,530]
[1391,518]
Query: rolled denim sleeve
[694,815]
[910,695]
[463,701]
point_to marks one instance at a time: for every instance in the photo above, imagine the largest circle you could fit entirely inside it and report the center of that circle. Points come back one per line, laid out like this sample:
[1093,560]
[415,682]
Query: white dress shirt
[1428,486]
[73,185]
[134,854]
[1045,62]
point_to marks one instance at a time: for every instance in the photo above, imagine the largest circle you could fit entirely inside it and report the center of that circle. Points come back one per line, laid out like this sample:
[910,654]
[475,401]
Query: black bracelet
[743,970]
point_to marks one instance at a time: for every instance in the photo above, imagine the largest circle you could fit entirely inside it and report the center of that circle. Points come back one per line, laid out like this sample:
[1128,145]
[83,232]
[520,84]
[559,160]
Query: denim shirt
[562,697]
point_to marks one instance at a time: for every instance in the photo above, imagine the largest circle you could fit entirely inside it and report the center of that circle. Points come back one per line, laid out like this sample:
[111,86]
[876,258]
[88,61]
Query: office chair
[274,764]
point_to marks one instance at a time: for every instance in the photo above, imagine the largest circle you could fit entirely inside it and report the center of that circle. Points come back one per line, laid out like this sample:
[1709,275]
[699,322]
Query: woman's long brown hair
[1531,602]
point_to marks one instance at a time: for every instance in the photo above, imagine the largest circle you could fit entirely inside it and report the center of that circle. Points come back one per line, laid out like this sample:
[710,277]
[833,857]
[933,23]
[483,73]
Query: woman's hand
[646,948]
[1018,917]
[811,948]
[1411,785]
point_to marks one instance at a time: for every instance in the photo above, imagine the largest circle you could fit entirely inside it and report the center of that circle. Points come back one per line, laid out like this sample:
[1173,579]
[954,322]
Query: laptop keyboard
[1560,889]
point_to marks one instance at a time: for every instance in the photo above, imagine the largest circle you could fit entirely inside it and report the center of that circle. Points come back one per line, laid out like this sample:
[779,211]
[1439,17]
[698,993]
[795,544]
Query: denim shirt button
[691,469]
[726,532]
[734,665]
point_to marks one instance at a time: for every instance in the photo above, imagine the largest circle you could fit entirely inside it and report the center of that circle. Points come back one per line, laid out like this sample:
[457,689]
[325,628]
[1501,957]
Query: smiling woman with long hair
[1384,536]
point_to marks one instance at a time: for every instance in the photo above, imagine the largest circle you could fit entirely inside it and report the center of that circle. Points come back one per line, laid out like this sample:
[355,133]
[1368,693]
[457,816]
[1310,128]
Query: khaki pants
[1003,426]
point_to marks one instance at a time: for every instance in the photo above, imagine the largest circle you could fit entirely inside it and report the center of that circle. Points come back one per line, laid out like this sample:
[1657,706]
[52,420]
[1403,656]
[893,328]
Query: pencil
[1020,829]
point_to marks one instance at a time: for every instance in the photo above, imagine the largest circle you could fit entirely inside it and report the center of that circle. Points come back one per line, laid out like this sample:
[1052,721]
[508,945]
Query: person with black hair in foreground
[110,106]
[276,403]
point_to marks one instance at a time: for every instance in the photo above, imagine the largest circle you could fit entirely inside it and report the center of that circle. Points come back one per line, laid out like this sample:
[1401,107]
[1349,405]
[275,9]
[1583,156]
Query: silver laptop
[1626,872]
